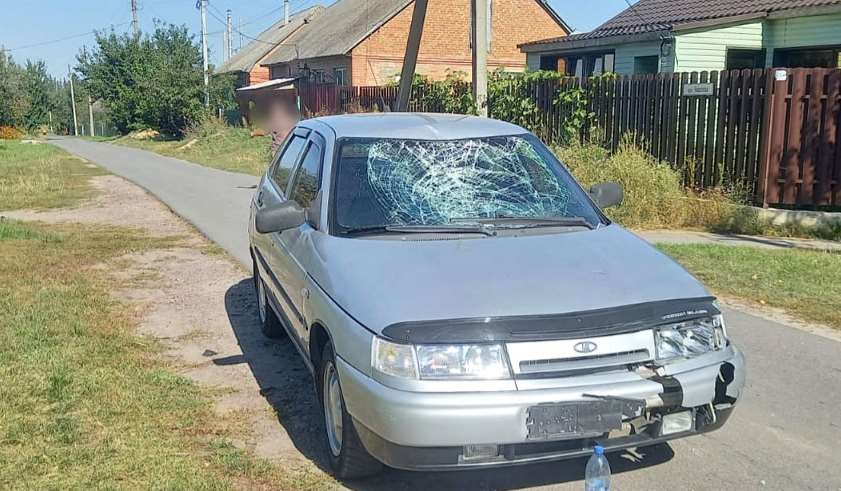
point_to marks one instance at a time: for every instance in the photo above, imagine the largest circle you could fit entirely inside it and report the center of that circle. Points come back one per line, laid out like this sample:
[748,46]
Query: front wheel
[269,323]
[348,456]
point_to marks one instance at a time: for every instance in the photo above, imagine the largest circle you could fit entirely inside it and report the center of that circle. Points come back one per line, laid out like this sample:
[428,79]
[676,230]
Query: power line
[634,10]
[53,41]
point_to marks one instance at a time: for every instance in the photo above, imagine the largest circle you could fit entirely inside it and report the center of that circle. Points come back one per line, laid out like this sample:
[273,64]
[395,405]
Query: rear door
[273,190]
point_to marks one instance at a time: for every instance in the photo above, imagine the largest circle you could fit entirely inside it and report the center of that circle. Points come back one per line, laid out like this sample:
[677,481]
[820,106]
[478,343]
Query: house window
[817,57]
[589,64]
[317,76]
[739,59]
[340,74]
[644,65]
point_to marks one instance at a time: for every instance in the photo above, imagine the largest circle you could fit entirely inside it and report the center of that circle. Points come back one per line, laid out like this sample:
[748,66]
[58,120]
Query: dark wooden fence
[774,133]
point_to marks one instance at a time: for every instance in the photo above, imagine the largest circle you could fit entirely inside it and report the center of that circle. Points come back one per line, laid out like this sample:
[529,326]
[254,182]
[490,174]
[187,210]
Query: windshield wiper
[467,228]
[512,222]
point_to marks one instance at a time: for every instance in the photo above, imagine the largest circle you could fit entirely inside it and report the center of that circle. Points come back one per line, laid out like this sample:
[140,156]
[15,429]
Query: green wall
[819,30]
[707,50]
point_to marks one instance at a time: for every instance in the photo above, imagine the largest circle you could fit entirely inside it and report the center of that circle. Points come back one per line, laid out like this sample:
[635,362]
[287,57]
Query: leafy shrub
[10,133]
[654,195]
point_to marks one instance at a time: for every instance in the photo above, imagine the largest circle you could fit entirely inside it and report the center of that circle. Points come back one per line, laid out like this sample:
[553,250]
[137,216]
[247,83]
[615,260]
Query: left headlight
[690,338]
[440,362]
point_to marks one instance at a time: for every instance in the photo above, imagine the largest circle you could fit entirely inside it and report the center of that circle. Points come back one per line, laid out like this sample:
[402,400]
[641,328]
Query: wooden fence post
[773,131]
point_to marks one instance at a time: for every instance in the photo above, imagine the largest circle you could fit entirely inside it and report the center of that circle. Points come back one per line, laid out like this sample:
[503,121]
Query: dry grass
[656,199]
[42,176]
[213,144]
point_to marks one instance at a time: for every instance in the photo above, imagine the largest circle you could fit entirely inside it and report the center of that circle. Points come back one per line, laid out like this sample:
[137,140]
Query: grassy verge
[213,145]
[83,402]
[803,283]
[41,176]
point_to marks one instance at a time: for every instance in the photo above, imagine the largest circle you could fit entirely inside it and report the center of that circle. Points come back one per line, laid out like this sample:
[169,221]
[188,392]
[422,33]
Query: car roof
[415,126]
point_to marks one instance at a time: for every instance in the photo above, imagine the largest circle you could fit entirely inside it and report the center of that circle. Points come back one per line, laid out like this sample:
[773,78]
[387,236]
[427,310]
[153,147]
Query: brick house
[246,63]
[362,42]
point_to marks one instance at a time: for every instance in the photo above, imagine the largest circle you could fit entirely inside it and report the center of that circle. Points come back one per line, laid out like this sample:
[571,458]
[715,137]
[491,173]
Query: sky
[55,30]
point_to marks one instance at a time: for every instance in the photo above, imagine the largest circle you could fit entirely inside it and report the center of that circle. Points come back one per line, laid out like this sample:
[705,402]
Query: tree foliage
[151,81]
[29,95]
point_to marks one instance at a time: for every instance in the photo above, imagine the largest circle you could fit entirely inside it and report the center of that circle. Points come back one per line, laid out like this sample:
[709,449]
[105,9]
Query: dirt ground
[200,304]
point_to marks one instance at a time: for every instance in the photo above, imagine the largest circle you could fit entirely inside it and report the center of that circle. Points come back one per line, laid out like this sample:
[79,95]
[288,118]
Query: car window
[308,179]
[283,169]
[382,182]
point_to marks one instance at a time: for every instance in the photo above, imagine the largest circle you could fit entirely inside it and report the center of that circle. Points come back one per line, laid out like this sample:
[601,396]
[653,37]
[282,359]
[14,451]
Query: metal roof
[345,24]
[266,41]
[652,16]
[414,126]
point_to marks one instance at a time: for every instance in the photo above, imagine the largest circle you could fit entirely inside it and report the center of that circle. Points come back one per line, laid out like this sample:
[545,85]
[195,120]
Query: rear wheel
[269,323]
[348,456]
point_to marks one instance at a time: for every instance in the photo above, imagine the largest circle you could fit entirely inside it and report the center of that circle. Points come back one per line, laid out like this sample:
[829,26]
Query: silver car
[462,302]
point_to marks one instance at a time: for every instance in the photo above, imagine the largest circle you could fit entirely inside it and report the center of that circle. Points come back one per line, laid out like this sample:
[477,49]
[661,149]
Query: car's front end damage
[437,397]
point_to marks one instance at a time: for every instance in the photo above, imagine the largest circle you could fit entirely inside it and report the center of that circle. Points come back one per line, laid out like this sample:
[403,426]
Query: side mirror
[283,216]
[607,194]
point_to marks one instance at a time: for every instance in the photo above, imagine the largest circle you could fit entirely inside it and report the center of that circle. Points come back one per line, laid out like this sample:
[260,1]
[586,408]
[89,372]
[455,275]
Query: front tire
[348,456]
[269,323]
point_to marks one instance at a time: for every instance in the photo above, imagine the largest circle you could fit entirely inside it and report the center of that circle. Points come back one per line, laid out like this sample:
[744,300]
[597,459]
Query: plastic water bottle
[597,473]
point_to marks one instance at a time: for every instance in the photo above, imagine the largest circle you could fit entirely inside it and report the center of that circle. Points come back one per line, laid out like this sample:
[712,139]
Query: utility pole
[229,36]
[51,121]
[73,103]
[285,12]
[202,4]
[135,24]
[410,60]
[480,55]
[90,115]
[239,30]
[225,45]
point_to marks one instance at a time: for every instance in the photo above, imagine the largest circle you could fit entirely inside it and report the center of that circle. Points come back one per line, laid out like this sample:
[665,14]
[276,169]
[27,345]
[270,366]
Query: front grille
[584,362]
[562,357]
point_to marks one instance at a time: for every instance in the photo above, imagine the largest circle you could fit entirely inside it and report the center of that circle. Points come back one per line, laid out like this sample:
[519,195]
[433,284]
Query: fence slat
[794,142]
[709,150]
[814,110]
[830,146]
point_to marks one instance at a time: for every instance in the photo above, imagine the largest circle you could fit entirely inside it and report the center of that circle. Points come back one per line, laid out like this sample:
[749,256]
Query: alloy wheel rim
[333,409]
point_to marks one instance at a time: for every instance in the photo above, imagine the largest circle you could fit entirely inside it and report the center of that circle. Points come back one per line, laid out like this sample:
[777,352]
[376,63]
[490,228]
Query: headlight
[440,362]
[482,361]
[690,338]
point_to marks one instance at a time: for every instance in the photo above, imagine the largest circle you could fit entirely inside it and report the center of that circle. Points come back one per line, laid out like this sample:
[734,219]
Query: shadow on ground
[286,384]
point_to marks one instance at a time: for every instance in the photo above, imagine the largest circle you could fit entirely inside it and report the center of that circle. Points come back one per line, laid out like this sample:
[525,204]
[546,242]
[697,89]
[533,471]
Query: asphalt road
[785,433]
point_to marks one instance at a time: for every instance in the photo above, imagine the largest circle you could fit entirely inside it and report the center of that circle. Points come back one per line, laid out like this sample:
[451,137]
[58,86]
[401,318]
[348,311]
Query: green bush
[654,195]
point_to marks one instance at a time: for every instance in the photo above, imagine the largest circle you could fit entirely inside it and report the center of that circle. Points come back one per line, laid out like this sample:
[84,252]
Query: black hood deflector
[575,325]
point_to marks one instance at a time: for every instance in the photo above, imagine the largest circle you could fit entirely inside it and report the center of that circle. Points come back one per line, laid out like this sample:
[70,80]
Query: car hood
[381,282]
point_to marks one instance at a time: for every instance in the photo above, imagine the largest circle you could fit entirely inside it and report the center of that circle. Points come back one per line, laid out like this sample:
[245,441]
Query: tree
[37,84]
[13,100]
[153,81]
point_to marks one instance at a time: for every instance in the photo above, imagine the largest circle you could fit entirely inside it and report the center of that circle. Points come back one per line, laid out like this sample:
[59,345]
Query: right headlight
[440,362]
[690,338]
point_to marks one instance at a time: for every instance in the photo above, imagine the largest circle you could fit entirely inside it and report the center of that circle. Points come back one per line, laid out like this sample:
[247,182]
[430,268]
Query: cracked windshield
[392,182]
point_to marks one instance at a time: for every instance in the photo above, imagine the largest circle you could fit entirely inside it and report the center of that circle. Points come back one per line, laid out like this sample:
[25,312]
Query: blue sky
[32,22]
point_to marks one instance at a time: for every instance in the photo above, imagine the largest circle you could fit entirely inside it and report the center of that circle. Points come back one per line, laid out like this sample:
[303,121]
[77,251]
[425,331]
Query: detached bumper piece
[639,432]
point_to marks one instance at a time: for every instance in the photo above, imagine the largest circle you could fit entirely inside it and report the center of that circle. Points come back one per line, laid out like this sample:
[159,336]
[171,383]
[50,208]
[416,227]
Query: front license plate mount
[573,419]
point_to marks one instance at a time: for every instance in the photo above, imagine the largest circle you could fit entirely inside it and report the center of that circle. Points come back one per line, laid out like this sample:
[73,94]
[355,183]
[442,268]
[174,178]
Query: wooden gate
[801,150]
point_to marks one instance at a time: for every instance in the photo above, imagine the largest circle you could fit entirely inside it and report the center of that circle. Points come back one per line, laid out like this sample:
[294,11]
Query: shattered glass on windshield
[417,182]
[435,182]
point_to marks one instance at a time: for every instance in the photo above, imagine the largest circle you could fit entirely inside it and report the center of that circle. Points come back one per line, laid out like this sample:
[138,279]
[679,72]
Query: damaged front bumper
[431,431]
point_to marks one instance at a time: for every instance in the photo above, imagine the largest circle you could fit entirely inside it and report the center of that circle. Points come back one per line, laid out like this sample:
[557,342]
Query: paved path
[785,434]
[214,201]
[691,237]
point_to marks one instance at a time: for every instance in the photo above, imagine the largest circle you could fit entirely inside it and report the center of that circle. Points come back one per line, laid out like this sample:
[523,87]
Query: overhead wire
[58,40]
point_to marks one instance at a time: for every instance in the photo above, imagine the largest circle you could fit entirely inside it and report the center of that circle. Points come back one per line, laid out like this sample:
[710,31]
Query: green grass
[84,403]
[213,145]
[42,176]
[806,284]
